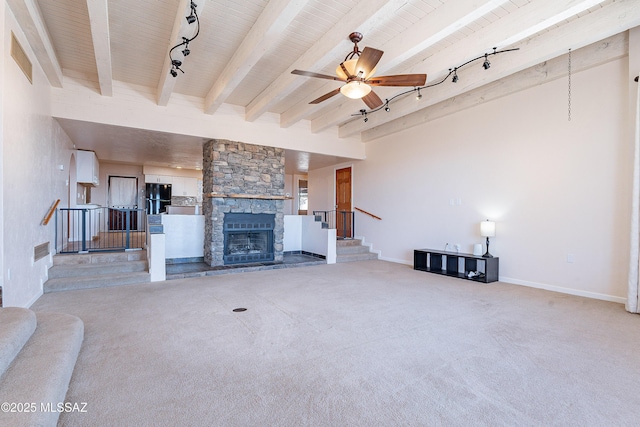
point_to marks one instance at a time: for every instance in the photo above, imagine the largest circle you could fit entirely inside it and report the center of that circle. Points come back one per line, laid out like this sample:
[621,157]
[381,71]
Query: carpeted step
[96,269]
[351,249]
[17,326]
[98,281]
[41,372]
[356,257]
[348,242]
[99,257]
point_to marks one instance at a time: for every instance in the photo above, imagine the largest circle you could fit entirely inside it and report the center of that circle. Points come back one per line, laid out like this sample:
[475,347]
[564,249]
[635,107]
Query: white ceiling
[246,50]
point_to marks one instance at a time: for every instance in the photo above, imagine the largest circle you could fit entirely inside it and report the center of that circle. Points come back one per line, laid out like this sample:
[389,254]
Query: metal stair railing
[342,221]
[84,229]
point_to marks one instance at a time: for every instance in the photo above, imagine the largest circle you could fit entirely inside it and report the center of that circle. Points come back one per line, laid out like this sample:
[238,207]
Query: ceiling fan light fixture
[355,90]
[350,65]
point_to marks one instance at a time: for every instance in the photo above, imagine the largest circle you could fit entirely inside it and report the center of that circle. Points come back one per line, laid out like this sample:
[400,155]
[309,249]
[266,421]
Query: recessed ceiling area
[119,144]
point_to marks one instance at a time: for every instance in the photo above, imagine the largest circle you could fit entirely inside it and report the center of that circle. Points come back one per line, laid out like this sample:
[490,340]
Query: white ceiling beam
[523,21]
[29,17]
[590,28]
[181,28]
[370,14]
[267,29]
[582,59]
[99,21]
[433,28]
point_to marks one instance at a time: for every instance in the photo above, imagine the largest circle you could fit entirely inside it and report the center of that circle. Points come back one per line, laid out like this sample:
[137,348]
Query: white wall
[33,145]
[555,188]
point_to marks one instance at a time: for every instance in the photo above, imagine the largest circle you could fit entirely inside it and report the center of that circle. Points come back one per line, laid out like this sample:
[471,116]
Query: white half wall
[558,190]
[184,236]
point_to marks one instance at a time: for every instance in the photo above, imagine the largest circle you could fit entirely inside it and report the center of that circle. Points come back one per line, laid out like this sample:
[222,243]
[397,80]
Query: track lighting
[176,63]
[194,16]
[486,63]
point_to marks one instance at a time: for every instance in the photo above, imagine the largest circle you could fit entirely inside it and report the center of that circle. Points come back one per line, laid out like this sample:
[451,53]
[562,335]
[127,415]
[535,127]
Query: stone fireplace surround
[240,178]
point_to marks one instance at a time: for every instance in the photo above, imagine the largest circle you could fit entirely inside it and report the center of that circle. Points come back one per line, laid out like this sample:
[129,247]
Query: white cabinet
[87,169]
[158,179]
[183,186]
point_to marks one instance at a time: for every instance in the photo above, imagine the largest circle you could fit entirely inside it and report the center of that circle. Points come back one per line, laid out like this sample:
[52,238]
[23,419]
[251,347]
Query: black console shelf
[449,264]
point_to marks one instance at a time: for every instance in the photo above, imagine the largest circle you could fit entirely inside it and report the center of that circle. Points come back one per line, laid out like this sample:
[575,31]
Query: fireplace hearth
[248,238]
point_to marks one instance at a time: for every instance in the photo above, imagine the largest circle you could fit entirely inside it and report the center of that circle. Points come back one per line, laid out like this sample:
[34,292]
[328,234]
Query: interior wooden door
[344,217]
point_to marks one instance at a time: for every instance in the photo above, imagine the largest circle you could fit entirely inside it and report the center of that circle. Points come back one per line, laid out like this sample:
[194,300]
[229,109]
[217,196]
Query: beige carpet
[358,344]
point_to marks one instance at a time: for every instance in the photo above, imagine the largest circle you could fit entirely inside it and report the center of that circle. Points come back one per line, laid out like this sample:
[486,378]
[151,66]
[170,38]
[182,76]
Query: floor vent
[21,58]
[40,251]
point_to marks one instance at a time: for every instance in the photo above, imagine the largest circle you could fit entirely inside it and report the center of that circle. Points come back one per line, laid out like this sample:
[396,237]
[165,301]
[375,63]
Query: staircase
[349,250]
[97,270]
[38,352]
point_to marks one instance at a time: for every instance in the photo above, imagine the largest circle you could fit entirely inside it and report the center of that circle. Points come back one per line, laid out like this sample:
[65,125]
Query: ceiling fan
[357,72]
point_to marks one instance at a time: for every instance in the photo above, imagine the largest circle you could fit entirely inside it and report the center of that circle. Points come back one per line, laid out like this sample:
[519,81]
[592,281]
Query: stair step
[96,269]
[347,250]
[42,370]
[348,242]
[356,257]
[18,324]
[99,257]
[98,281]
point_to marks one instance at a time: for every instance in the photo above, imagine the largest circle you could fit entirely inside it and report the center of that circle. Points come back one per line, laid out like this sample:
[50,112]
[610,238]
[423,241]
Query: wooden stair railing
[368,213]
[50,213]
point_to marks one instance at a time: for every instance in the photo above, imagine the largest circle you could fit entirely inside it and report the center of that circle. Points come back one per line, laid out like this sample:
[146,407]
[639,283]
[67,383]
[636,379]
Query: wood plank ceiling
[246,49]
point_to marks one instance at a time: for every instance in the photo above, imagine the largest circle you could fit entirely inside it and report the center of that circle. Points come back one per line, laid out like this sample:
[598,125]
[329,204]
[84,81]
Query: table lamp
[487,229]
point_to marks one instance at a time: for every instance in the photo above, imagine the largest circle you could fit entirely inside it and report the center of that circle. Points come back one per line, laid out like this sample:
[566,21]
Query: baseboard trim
[562,290]
[34,299]
[553,288]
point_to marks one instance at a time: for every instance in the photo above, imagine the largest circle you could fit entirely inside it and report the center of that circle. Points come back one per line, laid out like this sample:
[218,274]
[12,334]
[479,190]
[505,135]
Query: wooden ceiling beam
[522,22]
[334,44]
[99,21]
[265,32]
[433,28]
[600,24]
[582,59]
[181,28]
[29,18]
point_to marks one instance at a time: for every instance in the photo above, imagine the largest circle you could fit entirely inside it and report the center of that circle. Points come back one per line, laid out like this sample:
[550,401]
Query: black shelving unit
[448,263]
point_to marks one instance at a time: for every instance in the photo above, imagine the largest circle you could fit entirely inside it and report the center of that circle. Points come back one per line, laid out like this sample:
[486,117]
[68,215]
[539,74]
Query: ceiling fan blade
[318,75]
[325,96]
[372,100]
[399,80]
[368,60]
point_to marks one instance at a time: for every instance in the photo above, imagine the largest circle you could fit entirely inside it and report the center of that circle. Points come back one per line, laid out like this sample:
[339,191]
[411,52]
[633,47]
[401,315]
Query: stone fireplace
[243,205]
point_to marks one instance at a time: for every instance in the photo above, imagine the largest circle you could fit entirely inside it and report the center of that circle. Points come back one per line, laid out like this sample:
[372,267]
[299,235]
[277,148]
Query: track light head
[366,119]
[418,96]
[455,78]
[186,51]
[386,107]
[486,63]
[174,73]
[191,19]
[176,63]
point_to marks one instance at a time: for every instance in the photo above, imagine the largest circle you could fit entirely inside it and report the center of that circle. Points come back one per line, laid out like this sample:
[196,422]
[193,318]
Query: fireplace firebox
[248,238]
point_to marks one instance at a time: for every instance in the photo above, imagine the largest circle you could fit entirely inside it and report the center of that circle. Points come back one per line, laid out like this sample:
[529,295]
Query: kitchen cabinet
[158,179]
[183,186]
[87,168]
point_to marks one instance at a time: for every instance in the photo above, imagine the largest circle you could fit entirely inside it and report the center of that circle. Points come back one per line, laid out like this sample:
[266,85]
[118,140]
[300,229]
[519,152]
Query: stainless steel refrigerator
[158,197]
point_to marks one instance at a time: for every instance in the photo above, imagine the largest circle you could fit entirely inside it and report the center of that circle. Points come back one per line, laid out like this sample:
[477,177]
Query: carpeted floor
[356,344]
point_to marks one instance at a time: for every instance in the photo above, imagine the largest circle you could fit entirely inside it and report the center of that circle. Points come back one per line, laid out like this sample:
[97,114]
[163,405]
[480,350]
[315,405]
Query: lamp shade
[487,228]
[355,90]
